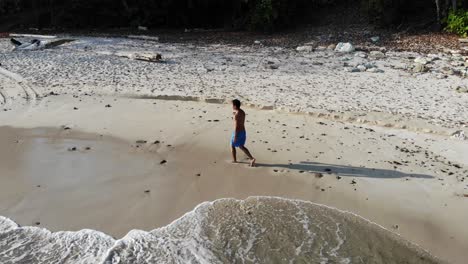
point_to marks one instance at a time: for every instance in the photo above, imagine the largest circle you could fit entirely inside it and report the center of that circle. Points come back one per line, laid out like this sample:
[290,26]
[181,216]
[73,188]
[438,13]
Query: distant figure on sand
[239,135]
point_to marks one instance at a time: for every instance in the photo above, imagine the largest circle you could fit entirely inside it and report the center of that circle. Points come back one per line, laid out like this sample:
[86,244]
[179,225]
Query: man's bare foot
[252,163]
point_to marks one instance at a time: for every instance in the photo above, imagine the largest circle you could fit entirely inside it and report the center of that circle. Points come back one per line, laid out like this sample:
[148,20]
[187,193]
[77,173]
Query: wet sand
[151,161]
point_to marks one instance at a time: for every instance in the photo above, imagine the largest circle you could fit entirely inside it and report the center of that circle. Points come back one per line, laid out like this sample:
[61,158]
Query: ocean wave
[255,230]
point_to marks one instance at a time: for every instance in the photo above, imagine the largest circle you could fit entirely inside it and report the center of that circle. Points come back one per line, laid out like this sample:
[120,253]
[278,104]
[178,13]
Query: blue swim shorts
[241,138]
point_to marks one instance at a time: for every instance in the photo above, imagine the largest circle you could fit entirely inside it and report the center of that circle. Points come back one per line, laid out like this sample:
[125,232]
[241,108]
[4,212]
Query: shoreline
[177,181]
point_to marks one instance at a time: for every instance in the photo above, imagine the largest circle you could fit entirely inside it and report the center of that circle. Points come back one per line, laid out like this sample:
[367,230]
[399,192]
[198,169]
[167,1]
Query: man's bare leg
[233,151]
[247,152]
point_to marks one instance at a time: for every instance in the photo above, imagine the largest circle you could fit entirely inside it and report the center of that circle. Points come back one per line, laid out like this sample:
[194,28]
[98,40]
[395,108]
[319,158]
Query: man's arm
[236,122]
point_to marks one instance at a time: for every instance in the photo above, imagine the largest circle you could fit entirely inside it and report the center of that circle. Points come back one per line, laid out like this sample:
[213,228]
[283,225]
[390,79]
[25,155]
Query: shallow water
[256,230]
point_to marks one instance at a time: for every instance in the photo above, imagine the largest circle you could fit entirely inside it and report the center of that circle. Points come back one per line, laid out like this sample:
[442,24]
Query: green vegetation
[457,22]
[263,16]
[258,15]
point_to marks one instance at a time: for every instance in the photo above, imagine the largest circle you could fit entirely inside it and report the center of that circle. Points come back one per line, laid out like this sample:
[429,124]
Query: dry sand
[140,162]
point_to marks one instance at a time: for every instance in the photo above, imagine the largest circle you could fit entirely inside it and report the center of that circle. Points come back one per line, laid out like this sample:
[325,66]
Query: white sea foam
[255,230]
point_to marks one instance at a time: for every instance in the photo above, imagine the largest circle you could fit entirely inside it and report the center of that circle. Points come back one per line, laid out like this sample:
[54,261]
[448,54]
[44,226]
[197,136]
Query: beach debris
[142,28]
[306,48]
[344,47]
[75,108]
[163,162]
[147,191]
[149,57]
[72,149]
[87,148]
[108,105]
[37,44]
[141,141]
[198,174]
[460,134]
[318,175]
[37,223]
[17,35]
[353,182]
[143,37]
[156,142]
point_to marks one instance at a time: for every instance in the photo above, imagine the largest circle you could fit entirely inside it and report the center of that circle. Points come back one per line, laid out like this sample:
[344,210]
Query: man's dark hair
[236,103]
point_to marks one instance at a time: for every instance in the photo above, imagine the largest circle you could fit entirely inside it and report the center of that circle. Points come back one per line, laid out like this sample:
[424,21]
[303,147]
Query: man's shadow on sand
[346,171]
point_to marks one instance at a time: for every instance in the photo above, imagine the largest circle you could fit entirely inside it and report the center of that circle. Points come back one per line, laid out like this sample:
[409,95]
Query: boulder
[344,47]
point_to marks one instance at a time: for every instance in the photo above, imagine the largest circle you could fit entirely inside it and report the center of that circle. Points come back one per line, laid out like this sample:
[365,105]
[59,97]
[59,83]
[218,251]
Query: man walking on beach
[239,135]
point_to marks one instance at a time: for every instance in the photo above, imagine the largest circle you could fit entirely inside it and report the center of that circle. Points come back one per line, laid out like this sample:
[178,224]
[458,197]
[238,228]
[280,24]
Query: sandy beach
[93,140]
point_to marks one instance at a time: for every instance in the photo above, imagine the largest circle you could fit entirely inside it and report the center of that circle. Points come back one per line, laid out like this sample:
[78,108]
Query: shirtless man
[239,135]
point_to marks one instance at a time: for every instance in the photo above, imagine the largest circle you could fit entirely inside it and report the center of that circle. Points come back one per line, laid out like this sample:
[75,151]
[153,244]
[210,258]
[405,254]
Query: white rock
[257,42]
[461,89]
[377,54]
[305,48]
[360,54]
[421,60]
[375,70]
[344,47]
[321,48]
[142,28]
[456,63]
[361,68]
[375,39]
[419,67]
